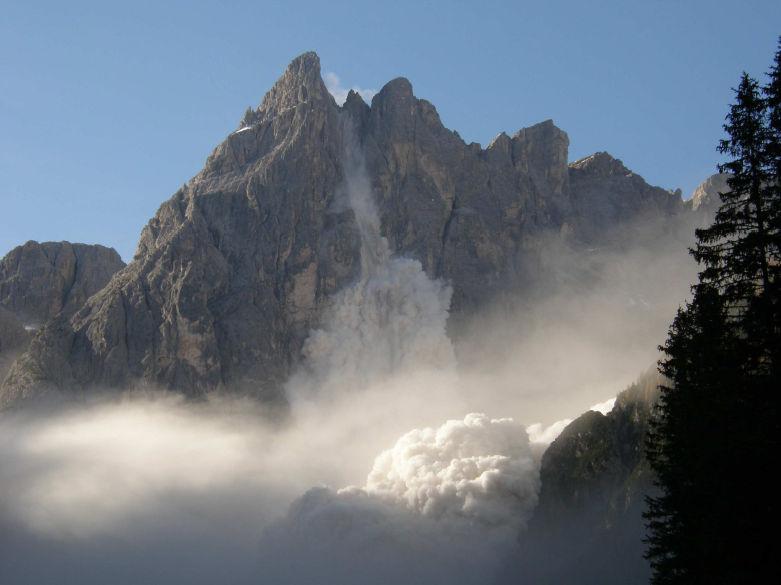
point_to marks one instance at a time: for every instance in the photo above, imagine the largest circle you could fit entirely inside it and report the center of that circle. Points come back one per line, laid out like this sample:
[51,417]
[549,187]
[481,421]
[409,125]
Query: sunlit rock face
[239,266]
[706,198]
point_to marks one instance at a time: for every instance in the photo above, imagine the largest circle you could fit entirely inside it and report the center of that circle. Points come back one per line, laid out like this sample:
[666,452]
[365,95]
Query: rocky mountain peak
[601,164]
[542,151]
[237,268]
[706,195]
[399,88]
[353,97]
[39,280]
[300,83]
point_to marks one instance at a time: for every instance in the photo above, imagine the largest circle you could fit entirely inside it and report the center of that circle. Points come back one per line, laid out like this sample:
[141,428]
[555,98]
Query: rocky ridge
[236,268]
[39,281]
[705,197]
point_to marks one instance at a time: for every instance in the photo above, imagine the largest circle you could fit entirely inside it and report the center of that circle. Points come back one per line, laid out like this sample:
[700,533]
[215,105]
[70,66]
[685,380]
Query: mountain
[606,196]
[235,270]
[594,479]
[706,196]
[39,281]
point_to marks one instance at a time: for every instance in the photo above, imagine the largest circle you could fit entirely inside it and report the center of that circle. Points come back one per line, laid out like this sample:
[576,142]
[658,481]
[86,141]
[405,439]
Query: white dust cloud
[477,468]
[542,435]
[443,505]
[391,322]
[604,407]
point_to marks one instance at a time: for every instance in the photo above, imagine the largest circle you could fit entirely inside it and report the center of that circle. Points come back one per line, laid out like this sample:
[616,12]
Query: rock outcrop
[706,198]
[39,281]
[236,268]
[594,479]
[13,335]
[607,198]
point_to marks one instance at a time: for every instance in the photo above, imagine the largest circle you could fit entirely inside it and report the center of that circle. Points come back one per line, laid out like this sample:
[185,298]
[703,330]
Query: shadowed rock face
[40,281]
[235,269]
[607,195]
[594,479]
[13,336]
[600,456]
[13,339]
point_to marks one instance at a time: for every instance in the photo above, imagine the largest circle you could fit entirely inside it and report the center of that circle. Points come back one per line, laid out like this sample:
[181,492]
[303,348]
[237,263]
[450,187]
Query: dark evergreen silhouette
[687,443]
[714,438]
[772,94]
[734,249]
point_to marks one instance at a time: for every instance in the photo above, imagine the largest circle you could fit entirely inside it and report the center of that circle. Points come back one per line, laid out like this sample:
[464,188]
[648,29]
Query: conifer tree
[772,94]
[686,444]
[716,428]
[734,249]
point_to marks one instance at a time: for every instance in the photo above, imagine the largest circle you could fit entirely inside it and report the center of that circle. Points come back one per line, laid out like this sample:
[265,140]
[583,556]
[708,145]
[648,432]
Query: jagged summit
[300,83]
[400,87]
[706,195]
[305,62]
[237,267]
[601,164]
[39,281]
[354,96]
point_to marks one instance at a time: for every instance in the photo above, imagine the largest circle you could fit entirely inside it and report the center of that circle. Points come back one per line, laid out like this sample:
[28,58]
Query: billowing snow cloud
[604,407]
[545,435]
[443,505]
[541,436]
[477,468]
[335,88]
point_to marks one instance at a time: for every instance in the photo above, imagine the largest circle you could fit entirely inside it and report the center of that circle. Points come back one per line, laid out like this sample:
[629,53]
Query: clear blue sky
[106,108]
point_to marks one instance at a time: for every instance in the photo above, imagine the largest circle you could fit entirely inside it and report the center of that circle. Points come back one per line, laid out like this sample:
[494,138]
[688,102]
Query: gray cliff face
[13,338]
[607,196]
[228,275]
[236,268]
[467,214]
[594,479]
[13,335]
[40,281]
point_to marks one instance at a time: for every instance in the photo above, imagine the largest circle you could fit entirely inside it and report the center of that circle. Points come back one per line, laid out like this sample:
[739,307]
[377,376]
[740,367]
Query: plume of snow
[392,320]
[477,468]
[544,435]
[604,407]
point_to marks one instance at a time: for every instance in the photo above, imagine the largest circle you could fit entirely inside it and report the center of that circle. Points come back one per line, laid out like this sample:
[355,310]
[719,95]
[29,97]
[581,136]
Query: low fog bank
[159,490]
